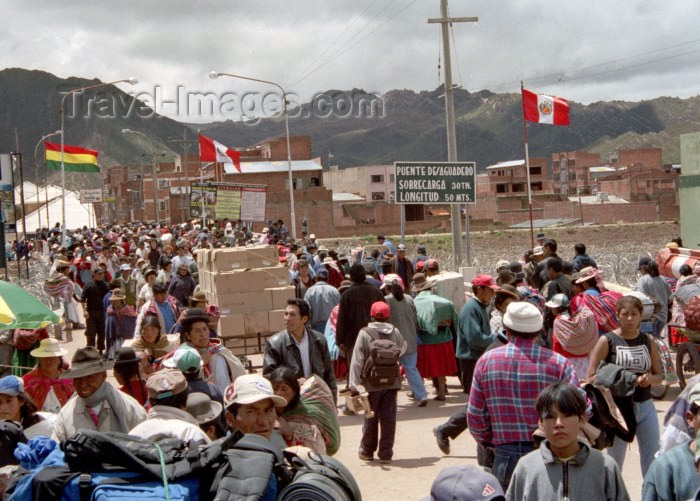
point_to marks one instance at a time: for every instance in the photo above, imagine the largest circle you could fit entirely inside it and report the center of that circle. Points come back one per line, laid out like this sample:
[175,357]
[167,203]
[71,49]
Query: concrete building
[372,182]
[130,188]
[364,195]
[510,178]
[641,184]
[570,174]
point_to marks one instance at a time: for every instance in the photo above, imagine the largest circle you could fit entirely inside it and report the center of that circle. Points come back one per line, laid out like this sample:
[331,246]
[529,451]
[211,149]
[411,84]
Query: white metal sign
[91,196]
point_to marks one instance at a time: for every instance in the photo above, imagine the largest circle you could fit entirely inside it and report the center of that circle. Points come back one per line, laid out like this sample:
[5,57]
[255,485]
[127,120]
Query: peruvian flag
[545,109]
[211,151]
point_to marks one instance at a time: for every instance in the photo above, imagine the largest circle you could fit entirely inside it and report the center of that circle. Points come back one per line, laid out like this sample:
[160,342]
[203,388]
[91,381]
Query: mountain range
[402,125]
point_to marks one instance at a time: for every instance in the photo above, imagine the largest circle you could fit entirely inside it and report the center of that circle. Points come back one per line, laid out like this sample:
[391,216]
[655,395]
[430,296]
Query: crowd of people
[538,340]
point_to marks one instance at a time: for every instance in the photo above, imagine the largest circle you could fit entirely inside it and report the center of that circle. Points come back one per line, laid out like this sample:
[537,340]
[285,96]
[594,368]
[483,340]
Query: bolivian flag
[75,159]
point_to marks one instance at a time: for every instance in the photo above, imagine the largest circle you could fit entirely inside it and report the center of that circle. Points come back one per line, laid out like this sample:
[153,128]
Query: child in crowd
[565,466]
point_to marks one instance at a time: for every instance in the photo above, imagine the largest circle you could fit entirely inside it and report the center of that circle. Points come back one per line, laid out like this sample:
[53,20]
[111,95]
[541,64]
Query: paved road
[417,459]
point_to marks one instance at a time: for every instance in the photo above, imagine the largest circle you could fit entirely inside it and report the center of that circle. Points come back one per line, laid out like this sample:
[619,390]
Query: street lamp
[217,74]
[155,177]
[36,164]
[131,81]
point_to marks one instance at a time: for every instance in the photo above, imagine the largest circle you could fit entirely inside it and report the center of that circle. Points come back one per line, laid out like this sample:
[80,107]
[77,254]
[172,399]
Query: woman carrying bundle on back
[120,322]
[310,417]
[573,336]
[589,291]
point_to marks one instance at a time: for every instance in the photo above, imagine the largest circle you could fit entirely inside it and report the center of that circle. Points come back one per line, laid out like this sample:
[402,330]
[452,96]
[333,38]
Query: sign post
[436,183]
[228,200]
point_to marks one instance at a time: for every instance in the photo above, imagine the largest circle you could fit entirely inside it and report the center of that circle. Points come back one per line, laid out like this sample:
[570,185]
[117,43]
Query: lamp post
[43,138]
[185,200]
[153,167]
[131,81]
[217,74]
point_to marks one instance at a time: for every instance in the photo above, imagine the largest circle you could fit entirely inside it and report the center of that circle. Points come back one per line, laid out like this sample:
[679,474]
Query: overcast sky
[582,50]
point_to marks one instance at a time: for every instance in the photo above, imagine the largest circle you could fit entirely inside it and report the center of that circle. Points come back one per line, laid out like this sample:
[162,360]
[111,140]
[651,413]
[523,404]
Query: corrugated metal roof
[593,199]
[510,163]
[347,197]
[277,166]
[544,223]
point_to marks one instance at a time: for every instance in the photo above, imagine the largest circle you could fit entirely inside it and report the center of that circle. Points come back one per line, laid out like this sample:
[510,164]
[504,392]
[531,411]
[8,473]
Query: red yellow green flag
[75,159]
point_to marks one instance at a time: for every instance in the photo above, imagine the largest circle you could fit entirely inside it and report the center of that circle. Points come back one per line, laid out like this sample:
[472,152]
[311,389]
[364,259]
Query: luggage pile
[114,466]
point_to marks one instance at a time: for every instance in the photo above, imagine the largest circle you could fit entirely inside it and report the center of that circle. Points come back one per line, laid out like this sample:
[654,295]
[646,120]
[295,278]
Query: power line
[328,48]
[631,66]
[561,78]
[454,48]
[342,50]
[348,41]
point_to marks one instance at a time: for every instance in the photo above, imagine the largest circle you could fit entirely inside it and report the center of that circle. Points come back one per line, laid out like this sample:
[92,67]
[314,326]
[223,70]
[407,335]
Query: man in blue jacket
[474,334]
[674,475]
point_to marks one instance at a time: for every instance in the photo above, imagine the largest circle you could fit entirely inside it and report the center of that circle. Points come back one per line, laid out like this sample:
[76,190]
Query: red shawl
[603,308]
[37,387]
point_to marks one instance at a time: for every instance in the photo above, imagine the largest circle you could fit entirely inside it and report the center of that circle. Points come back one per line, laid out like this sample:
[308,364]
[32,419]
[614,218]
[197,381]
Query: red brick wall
[412,227]
[275,181]
[640,157]
[604,213]
[319,215]
[618,187]
[276,149]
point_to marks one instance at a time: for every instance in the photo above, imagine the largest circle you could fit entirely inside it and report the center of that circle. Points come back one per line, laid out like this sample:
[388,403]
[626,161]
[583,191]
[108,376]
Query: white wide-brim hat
[49,347]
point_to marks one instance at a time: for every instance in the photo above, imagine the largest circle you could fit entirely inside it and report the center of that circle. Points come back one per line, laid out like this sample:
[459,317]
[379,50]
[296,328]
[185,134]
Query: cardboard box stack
[251,288]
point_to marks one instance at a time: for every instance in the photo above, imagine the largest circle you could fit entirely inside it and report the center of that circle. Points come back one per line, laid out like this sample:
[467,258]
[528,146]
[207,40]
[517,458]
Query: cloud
[582,50]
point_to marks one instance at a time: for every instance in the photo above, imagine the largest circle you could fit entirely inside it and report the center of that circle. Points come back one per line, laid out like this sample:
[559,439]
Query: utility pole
[451,133]
[185,144]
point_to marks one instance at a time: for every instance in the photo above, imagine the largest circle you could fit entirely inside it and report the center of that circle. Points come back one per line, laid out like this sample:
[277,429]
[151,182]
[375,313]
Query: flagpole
[131,81]
[201,184]
[285,111]
[46,197]
[527,171]
[36,163]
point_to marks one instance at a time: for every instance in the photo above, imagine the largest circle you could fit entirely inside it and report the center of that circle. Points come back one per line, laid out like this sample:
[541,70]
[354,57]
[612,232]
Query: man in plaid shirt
[501,411]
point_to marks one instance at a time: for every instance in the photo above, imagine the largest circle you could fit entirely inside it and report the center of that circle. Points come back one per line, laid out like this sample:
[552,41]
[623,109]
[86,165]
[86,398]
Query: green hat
[184,359]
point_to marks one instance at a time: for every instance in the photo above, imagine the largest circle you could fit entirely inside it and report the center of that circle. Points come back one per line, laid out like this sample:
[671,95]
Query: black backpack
[382,365]
[10,435]
[95,451]
[319,478]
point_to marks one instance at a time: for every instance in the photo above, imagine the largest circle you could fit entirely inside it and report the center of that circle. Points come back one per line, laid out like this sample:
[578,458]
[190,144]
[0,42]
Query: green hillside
[402,125]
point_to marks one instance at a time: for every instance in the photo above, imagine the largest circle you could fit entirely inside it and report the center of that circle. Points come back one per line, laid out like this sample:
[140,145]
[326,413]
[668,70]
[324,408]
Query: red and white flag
[545,109]
[211,151]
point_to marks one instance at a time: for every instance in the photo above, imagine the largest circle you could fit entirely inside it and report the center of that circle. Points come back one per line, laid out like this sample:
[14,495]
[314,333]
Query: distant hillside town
[630,185]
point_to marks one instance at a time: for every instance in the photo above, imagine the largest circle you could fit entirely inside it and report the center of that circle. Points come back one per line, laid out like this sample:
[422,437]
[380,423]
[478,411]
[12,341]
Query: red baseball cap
[380,310]
[485,281]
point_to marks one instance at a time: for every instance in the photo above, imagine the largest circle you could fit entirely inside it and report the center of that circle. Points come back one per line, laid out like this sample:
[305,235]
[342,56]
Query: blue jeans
[647,437]
[658,327]
[506,457]
[415,380]
[319,327]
